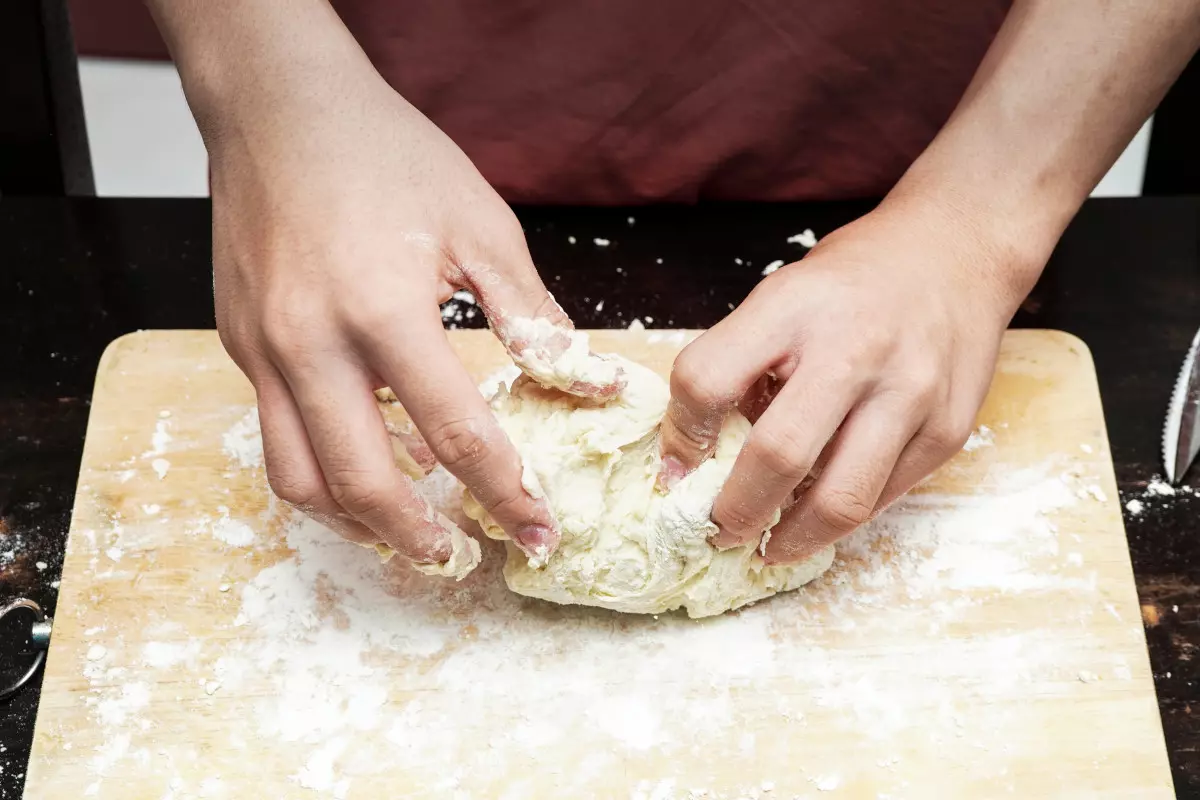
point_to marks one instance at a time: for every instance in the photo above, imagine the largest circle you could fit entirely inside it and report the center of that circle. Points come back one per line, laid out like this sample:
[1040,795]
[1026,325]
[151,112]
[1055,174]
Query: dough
[625,545]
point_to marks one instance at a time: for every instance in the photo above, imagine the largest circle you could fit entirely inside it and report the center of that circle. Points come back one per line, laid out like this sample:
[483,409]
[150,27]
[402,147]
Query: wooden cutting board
[981,639]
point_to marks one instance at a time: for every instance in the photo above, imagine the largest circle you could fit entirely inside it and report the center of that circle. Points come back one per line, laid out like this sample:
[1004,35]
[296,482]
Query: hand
[862,368]
[341,219]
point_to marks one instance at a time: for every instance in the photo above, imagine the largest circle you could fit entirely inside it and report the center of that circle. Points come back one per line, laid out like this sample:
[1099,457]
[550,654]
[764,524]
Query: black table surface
[75,274]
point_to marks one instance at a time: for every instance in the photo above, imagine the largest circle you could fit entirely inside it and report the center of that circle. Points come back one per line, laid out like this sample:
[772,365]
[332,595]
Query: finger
[932,447]
[348,438]
[532,326]
[759,397]
[782,448]
[292,469]
[708,378]
[861,458]
[413,454]
[465,437]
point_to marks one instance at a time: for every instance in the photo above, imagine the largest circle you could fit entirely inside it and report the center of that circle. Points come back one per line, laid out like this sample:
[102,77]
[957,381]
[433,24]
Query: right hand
[341,219]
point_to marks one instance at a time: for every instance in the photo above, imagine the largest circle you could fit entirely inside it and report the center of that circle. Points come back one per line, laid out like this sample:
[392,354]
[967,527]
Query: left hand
[862,368]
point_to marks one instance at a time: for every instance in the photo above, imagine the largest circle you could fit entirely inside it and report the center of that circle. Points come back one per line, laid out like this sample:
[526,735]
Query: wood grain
[855,690]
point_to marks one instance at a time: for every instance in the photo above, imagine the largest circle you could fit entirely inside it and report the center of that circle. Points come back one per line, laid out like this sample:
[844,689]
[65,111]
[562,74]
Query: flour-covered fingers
[860,459]
[710,376]
[529,323]
[292,469]
[782,448]
[413,453]
[348,438]
[446,406]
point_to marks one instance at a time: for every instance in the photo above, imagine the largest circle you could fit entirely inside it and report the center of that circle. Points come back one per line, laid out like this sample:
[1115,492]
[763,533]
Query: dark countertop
[75,274]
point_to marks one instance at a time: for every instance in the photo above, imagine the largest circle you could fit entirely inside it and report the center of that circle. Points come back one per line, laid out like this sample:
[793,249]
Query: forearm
[240,58]
[1061,91]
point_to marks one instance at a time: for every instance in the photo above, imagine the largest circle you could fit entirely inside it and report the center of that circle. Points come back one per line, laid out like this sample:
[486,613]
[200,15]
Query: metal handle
[39,635]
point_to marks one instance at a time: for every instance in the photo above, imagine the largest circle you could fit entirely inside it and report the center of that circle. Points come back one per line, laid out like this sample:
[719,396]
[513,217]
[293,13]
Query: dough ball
[625,545]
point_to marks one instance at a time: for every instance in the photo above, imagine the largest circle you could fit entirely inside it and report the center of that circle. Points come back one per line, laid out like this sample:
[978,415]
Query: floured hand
[862,368]
[341,219]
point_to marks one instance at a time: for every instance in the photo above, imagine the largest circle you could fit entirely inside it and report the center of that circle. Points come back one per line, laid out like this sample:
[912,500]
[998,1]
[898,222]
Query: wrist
[1004,247]
[251,64]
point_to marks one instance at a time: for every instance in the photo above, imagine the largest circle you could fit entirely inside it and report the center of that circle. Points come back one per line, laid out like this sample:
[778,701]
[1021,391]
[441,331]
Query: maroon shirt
[622,101]
[628,101]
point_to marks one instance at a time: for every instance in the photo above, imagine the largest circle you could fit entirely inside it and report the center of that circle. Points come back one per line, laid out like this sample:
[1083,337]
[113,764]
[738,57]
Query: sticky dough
[625,545]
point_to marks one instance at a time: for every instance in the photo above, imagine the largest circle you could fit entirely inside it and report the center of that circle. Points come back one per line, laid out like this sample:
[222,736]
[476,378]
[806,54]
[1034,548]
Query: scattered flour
[601,242]
[243,441]
[160,466]
[165,655]
[1157,487]
[353,669]
[1157,494]
[983,437]
[160,438]
[232,532]
[805,238]
[774,265]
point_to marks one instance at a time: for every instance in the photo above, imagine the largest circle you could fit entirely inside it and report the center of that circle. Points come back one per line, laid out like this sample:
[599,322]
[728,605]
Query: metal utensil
[39,635]
[1181,433]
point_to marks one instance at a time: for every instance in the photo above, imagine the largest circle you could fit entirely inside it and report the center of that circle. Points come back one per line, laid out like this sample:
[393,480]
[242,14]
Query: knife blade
[1181,433]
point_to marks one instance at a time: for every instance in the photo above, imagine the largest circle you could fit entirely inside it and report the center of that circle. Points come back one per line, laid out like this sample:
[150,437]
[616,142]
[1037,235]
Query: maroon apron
[632,101]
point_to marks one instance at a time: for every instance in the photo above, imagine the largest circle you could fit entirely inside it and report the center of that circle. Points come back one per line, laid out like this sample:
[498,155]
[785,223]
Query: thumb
[535,330]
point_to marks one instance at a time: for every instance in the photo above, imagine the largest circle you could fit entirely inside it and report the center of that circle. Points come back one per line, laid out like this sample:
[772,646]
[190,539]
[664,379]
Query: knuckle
[696,380]
[949,434]
[357,492]
[458,444]
[782,449]
[923,381]
[295,490]
[370,315]
[285,331]
[504,223]
[740,520]
[841,509]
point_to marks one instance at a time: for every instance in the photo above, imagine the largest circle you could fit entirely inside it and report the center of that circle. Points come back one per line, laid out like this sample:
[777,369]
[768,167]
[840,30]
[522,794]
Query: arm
[1060,93]
[341,218]
[883,340]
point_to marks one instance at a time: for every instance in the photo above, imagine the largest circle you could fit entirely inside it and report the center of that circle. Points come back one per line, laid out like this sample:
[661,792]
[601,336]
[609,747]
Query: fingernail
[538,542]
[672,472]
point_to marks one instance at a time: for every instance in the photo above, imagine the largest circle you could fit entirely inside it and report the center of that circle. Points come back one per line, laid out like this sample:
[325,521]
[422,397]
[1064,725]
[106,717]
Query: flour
[1156,495]
[346,671]
[1160,488]
[160,439]
[772,267]
[983,436]
[558,357]
[165,655]
[161,467]
[243,441]
[232,532]
[805,238]
[115,710]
